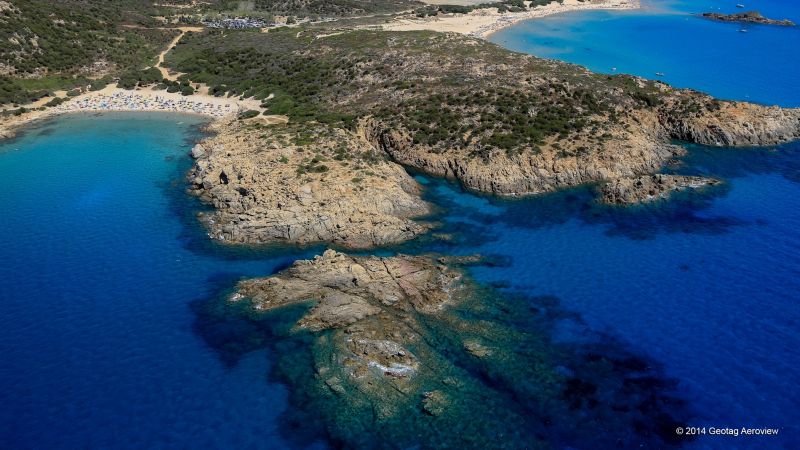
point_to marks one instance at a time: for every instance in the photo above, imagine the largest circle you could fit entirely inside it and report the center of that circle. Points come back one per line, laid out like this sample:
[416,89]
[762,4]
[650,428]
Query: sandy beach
[483,22]
[113,98]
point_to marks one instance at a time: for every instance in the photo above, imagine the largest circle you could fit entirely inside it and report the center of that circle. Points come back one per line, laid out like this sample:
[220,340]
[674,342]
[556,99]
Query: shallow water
[105,276]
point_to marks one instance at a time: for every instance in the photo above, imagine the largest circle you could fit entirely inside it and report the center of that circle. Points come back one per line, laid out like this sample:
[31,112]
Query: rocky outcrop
[348,289]
[498,122]
[551,167]
[374,301]
[269,187]
[648,188]
[640,144]
[747,17]
[734,124]
[406,350]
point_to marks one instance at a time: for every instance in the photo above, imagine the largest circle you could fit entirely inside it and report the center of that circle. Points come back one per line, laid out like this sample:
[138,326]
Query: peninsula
[316,120]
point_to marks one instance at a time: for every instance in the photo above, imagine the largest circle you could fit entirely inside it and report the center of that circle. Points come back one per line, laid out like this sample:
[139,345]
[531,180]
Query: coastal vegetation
[418,82]
[61,45]
[318,8]
[501,6]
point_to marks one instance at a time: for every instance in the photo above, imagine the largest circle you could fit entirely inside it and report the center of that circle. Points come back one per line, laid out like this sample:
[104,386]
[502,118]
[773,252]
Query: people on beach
[119,101]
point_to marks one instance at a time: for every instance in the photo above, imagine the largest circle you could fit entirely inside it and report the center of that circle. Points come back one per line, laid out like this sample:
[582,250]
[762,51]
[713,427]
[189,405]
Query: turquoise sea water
[761,65]
[104,273]
[97,277]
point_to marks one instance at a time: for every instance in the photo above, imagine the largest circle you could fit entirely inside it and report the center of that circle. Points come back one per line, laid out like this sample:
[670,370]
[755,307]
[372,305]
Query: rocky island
[403,343]
[649,188]
[747,17]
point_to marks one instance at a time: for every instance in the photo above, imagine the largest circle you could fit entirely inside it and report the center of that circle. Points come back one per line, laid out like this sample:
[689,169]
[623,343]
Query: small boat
[743,30]
[739,5]
[660,74]
[613,69]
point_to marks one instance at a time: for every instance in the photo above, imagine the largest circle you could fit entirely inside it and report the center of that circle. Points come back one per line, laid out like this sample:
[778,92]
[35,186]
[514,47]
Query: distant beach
[113,98]
[483,22]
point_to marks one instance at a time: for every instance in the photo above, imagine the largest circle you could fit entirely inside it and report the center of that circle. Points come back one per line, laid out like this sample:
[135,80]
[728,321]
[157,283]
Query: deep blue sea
[97,279]
[102,265]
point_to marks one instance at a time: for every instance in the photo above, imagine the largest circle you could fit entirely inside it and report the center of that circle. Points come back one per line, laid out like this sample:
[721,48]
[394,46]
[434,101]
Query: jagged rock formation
[528,173]
[349,289]
[733,124]
[648,188]
[747,17]
[269,187]
[374,300]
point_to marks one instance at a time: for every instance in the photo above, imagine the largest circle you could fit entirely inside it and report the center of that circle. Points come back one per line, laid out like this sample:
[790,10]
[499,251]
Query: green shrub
[249,114]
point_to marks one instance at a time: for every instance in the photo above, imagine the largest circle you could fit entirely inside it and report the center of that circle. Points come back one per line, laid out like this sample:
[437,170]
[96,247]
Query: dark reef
[395,368]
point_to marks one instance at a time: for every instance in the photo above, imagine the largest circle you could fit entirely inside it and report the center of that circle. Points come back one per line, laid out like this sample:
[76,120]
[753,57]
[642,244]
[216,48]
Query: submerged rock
[648,188]
[435,403]
[372,300]
[403,351]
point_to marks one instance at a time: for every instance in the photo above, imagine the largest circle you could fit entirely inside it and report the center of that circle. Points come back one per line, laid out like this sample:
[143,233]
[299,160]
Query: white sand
[113,98]
[483,22]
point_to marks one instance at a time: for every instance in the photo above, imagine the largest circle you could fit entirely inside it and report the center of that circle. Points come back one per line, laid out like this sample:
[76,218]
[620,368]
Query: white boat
[739,5]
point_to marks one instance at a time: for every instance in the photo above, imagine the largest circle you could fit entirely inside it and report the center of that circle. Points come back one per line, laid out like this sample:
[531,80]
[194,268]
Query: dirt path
[160,65]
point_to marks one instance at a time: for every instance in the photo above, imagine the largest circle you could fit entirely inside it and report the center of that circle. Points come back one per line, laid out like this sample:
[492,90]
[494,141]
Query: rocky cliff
[733,124]
[269,186]
[499,122]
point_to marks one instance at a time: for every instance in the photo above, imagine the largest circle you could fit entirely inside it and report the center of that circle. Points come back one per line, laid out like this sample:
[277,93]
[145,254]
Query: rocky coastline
[269,186]
[641,144]
[747,17]
[349,188]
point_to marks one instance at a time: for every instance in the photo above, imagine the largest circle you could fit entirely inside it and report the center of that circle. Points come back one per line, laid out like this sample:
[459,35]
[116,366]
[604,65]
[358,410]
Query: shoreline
[482,23]
[114,99]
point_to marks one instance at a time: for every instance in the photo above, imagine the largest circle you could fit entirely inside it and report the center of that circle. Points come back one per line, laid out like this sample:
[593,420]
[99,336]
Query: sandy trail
[160,65]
